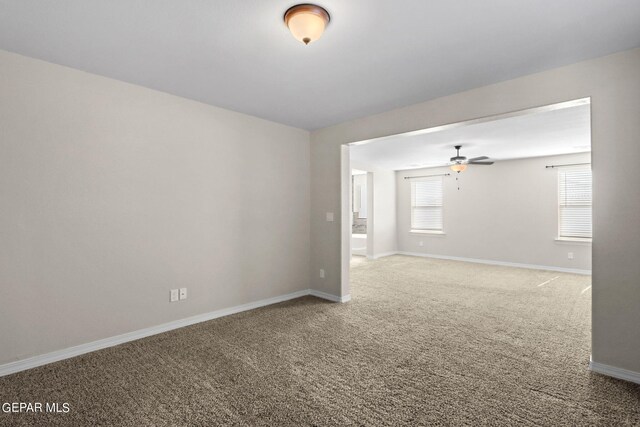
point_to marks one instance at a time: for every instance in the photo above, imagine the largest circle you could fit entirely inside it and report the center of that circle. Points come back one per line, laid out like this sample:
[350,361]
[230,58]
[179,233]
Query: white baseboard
[382,255]
[330,297]
[67,353]
[501,263]
[612,371]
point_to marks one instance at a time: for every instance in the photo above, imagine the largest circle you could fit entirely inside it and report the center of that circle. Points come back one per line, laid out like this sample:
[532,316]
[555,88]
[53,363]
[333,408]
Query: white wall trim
[67,353]
[612,371]
[346,213]
[501,263]
[382,255]
[330,297]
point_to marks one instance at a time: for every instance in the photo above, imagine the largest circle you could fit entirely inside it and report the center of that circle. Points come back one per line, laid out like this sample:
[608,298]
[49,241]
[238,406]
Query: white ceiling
[561,131]
[376,55]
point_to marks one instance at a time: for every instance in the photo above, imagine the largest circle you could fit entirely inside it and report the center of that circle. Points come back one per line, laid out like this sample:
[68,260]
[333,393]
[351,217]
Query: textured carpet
[423,342]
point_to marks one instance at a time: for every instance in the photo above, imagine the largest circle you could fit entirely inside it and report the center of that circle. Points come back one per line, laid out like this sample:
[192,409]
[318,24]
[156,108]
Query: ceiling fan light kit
[458,167]
[306,22]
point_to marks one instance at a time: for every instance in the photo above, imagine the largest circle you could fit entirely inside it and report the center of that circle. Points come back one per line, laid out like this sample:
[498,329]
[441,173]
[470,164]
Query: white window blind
[426,204]
[575,202]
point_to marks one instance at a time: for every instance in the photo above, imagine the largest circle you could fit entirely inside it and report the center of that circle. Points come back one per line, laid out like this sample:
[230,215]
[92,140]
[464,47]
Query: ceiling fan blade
[481,163]
[478,158]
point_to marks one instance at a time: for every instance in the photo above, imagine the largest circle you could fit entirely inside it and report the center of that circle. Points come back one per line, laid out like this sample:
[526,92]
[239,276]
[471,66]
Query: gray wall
[112,194]
[505,212]
[384,225]
[614,87]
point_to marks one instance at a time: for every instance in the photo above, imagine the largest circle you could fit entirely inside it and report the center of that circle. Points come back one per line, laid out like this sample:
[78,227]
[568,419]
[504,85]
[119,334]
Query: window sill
[434,232]
[573,240]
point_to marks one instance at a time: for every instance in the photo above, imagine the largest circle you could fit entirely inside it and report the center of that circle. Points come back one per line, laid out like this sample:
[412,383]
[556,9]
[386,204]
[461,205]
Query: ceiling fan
[459,163]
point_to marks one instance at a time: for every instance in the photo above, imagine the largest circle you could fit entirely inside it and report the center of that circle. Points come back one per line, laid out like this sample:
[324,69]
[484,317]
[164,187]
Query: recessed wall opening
[502,202]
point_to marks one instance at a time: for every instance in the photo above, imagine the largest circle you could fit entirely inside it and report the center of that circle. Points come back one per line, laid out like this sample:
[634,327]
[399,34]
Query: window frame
[564,238]
[412,206]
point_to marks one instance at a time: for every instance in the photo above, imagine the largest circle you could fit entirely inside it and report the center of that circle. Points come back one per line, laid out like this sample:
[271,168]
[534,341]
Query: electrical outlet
[329,216]
[570,255]
[183,293]
[174,295]
[420,243]
[322,273]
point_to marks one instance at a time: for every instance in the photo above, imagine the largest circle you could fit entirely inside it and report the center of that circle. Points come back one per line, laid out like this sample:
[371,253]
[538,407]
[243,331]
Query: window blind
[575,201]
[426,204]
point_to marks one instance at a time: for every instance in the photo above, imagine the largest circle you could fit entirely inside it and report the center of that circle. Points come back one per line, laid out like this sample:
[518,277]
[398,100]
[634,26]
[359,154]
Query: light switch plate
[329,216]
[183,293]
[174,295]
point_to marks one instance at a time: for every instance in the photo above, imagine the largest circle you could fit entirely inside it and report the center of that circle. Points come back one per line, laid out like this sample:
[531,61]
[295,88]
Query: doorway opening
[507,190]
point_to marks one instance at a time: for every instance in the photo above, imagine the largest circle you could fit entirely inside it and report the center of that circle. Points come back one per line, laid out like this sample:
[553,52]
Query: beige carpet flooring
[423,342]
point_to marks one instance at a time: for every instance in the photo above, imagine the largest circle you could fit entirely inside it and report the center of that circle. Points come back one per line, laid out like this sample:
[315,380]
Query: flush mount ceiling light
[306,21]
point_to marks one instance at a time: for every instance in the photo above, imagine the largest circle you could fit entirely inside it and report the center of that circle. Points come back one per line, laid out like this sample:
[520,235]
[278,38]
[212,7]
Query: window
[426,204]
[574,202]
